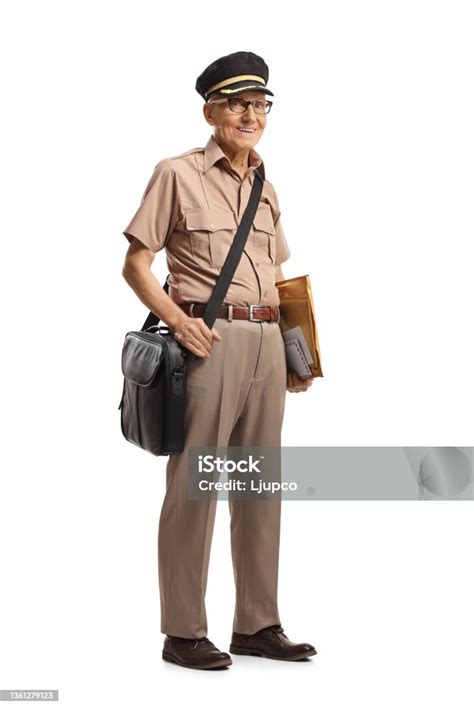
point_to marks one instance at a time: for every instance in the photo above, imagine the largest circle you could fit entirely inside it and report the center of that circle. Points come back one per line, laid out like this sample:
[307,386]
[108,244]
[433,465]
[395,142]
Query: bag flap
[263,220]
[141,357]
[210,220]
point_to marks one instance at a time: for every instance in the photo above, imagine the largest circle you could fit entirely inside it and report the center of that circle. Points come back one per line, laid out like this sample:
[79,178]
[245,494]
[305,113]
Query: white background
[370,148]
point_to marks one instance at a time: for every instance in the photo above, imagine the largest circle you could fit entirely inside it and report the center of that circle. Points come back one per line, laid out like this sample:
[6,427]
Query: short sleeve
[282,251]
[158,213]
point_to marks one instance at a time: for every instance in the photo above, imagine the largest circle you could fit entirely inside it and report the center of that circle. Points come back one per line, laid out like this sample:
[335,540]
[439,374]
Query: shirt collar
[213,152]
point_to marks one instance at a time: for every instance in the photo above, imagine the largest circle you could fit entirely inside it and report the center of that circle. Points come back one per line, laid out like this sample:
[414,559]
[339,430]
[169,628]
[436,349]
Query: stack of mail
[298,357]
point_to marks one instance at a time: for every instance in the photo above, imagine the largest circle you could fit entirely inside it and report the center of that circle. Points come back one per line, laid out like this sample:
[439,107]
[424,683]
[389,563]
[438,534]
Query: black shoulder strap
[232,259]
[153,319]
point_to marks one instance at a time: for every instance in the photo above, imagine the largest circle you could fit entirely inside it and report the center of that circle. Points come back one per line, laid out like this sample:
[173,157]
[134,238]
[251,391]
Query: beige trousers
[234,398]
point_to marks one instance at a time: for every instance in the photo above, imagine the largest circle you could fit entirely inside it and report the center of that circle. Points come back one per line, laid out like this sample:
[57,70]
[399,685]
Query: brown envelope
[297,308]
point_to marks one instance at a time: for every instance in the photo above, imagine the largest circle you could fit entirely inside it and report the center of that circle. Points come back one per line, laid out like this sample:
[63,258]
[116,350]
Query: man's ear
[206,109]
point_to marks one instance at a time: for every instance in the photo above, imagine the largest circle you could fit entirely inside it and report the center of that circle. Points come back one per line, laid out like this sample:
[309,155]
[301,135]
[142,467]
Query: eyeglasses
[238,105]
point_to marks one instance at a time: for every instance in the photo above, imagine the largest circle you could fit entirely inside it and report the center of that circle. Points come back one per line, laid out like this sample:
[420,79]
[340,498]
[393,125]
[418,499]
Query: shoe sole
[239,651]
[201,667]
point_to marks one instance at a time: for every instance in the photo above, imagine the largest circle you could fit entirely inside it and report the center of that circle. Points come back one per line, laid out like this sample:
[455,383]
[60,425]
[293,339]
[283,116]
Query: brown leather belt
[251,313]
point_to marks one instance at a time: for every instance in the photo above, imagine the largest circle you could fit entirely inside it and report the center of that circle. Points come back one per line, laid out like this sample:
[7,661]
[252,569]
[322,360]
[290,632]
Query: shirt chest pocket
[264,237]
[211,232]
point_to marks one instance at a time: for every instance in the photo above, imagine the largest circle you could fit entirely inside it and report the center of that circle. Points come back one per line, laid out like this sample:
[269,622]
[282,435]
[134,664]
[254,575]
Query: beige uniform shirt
[192,206]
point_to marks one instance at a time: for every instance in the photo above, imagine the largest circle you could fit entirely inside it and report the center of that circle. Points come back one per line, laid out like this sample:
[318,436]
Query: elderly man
[236,388]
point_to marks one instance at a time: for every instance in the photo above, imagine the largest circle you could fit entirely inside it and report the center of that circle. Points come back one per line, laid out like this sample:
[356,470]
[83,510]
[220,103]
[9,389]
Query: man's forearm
[153,296]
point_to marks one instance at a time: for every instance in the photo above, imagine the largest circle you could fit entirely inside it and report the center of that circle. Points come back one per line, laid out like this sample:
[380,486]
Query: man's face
[228,125]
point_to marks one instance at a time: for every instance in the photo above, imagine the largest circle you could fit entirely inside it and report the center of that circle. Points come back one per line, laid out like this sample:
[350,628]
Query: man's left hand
[295,384]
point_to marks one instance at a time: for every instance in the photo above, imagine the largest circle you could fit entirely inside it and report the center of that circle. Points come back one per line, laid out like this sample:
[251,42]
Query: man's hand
[295,384]
[194,335]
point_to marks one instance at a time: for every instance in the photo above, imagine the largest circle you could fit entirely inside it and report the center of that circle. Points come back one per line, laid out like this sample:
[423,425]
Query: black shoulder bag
[154,364]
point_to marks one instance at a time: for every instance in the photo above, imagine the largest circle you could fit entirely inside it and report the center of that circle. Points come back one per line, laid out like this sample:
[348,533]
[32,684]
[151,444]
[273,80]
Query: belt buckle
[254,320]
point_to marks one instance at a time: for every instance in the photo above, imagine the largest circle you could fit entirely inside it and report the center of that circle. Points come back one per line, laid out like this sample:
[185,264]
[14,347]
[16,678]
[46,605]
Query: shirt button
[257,263]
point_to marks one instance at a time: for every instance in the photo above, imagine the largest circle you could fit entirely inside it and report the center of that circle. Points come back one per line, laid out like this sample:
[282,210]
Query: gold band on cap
[233,79]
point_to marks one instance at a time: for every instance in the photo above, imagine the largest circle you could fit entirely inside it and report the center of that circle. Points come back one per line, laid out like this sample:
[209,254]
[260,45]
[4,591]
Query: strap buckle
[254,320]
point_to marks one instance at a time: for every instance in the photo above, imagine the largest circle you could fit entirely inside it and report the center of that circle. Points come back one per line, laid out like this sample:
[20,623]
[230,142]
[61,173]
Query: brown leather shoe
[194,653]
[270,642]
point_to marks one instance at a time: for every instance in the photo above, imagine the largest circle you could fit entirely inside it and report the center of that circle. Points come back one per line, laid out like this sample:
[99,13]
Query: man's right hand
[193,334]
